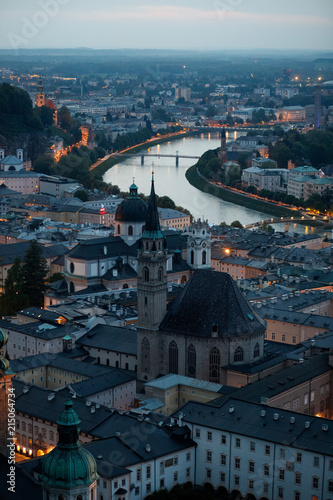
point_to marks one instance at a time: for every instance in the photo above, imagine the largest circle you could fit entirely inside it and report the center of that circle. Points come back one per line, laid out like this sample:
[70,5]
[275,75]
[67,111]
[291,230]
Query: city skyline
[220,25]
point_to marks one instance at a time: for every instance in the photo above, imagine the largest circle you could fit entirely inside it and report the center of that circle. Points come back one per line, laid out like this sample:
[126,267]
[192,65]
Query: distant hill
[16,112]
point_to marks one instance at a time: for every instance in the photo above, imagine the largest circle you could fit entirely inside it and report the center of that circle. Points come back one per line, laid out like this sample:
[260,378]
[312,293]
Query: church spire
[152,227]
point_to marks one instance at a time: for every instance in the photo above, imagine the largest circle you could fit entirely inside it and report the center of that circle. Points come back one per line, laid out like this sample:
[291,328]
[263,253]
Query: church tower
[40,96]
[199,245]
[152,290]
[69,471]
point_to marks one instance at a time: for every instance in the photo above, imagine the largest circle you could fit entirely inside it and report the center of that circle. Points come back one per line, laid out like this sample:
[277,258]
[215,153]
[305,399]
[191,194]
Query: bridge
[157,155]
[286,220]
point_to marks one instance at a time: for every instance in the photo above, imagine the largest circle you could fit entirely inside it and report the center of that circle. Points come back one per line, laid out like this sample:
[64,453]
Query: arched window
[191,361]
[118,229]
[71,267]
[44,432]
[117,364]
[125,285]
[159,245]
[126,366]
[107,362]
[61,497]
[192,257]
[204,257]
[146,274]
[214,365]
[147,247]
[145,354]
[238,354]
[98,359]
[160,274]
[130,230]
[71,287]
[23,426]
[173,357]
[79,497]
[51,435]
[29,428]
[100,496]
[256,352]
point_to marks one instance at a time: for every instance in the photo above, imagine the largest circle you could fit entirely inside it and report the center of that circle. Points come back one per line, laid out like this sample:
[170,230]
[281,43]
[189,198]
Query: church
[208,327]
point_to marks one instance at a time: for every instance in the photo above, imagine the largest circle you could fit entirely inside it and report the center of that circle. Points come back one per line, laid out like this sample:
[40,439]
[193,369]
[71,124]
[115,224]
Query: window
[223,439]
[208,473]
[252,446]
[238,354]
[138,474]
[214,365]
[188,472]
[222,477]
[238,443]
[283,338]
[306,398]
[236,480]
[148,487]
[331,465]
[266,470]
[161,468]
[315,461]
[251,466]
[267,450]
[265,488]
[175,476]
[315,482]
[191,361]
[145,354]
[256,352]
[175,461]
[148,472]
[209,436]
[197,433]
[160,274]
[251,484]
[146,274]
[297,478]
[173,357]
[281,474]
[296,403]
[137,490]
[299,458]
[282,453]
[330,486]
[273,336]
[280,492]
[297,495]
[294,339]
[188,456]
[208,456]
[223,459]
[162,483]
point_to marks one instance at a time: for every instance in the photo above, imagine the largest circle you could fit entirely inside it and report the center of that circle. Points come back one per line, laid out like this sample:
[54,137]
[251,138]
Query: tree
[64,118]
[81,194]
[13,299]
[236,223]
[44,165]
[34,271]
[45,114]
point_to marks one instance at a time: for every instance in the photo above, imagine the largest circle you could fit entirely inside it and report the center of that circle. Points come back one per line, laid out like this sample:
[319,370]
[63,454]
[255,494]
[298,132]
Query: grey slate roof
[107,380]
[10,252]
[208,299]
[112,338]
[245,419]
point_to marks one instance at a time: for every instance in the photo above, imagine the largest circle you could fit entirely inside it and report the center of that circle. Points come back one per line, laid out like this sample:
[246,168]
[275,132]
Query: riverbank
[231,196]
[110,162]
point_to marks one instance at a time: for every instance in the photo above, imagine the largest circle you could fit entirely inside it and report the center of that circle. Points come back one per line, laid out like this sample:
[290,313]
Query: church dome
[3,338]
[133,209]
[69,464]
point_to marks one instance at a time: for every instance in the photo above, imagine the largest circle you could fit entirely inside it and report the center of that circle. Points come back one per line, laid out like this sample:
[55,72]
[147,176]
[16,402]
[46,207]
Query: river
[171,181]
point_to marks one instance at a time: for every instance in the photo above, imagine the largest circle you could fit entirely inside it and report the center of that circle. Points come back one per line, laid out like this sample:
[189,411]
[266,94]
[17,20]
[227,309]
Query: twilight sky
[167,24]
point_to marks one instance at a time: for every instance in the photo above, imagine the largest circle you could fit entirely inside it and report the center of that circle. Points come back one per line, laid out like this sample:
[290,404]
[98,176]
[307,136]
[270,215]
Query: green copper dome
[68,465]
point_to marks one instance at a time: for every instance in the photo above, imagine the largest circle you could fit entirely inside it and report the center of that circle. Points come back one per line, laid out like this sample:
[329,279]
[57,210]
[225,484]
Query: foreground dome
[133,209]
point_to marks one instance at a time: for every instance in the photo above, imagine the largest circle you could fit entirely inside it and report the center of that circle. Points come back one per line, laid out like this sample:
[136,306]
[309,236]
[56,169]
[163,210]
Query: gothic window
[173,357]
[71,267]
[256,352]
[192,257]
[160,274]
[238,354]
[191,361]
[214,365]
[145,354]
[130,230]
[146,274]
[204,257]
[71,287]
[147,248]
